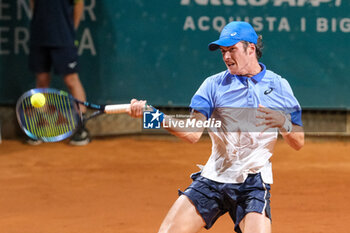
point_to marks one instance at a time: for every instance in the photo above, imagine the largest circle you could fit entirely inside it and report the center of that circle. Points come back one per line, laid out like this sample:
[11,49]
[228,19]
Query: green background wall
[157,50]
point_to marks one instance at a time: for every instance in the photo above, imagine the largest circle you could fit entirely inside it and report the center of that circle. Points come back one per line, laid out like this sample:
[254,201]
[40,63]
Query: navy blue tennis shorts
[213,199]
[63,60]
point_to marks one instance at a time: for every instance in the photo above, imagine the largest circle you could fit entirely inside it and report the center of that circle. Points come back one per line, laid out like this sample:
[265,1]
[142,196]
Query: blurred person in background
[52,46]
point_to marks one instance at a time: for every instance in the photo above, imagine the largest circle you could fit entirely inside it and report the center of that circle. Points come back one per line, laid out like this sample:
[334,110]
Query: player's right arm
[189,134]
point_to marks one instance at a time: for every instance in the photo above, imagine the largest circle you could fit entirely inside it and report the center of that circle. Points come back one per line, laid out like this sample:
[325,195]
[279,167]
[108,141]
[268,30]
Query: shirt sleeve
[291,104]
[202,101]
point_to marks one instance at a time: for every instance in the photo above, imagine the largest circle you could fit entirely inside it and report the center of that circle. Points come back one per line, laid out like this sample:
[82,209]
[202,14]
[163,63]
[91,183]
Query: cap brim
[226,42]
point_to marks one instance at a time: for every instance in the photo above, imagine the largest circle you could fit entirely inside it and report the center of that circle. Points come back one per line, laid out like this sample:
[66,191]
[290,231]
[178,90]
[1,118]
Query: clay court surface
[127,185]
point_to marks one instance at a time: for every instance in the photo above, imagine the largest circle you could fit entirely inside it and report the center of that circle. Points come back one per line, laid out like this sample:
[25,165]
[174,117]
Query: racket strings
[55,118]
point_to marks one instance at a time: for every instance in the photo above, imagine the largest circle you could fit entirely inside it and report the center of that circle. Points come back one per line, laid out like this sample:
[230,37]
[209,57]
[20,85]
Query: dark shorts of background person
[213,199]
[63,60]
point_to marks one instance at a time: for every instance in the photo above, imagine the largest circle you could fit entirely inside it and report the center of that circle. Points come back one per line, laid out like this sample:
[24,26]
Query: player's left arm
[78,12]
[293,134]
[295,138]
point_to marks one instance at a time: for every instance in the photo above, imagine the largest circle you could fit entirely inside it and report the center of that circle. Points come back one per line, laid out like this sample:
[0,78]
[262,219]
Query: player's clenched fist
[271,118]
[136,108]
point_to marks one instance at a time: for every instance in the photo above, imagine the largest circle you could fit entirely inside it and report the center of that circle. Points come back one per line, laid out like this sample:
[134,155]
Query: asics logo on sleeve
[268,91]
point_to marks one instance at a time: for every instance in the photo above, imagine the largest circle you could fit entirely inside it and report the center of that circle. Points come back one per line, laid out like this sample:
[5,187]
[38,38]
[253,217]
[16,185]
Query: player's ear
[251,49]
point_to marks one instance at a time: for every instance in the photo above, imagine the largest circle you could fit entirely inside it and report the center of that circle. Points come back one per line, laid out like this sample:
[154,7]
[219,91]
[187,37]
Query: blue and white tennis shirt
[238,147]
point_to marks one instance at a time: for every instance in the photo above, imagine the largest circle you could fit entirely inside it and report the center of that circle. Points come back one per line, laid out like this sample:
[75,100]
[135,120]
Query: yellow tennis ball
[38,100]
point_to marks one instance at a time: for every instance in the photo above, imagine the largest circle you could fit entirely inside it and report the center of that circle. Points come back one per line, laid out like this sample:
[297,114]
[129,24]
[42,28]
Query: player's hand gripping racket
[53,115]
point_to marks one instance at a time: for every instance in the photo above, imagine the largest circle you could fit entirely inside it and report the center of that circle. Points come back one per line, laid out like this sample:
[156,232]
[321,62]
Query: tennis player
[253,104]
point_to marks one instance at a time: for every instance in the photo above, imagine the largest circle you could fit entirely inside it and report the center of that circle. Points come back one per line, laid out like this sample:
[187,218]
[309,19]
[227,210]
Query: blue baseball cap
[233,33]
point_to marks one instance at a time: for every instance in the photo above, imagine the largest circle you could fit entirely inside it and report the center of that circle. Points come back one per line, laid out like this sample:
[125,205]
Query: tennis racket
[59,117]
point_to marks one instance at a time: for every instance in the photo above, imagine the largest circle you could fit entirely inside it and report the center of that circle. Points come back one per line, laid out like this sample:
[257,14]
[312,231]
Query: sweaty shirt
[52,23]
[239,147]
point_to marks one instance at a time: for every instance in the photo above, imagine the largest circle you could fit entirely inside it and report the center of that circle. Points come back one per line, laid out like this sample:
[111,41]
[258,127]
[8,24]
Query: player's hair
[258,47]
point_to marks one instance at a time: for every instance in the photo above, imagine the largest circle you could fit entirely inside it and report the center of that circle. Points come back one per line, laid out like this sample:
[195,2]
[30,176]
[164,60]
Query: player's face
[237,58]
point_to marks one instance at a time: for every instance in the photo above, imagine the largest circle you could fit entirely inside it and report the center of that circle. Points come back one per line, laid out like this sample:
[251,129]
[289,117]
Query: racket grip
[122,108]
[117,108]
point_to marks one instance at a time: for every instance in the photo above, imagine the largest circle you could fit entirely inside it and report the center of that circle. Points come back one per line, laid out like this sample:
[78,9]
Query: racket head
[56,120]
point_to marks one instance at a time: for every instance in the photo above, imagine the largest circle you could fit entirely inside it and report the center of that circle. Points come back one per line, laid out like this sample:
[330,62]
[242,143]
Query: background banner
[157,50]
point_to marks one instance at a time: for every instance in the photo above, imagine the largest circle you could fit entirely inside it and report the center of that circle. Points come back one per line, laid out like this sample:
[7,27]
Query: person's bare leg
[182,218]
[43,80]
[75,88]
[255,223]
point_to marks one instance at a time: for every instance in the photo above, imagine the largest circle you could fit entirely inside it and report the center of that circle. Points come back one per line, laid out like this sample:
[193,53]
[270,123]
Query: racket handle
[117,108]
[122,108]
